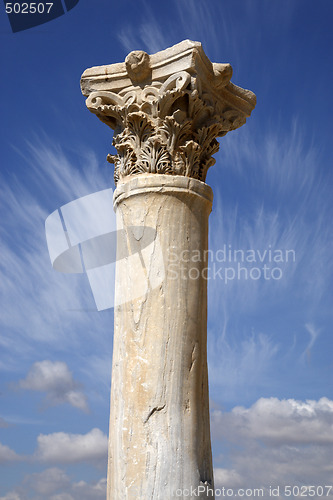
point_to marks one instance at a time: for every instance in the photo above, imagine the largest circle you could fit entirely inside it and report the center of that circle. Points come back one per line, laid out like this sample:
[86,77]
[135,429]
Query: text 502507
[28,7]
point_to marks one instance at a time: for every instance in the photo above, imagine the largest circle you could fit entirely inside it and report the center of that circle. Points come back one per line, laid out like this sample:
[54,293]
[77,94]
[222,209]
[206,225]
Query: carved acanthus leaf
[175,133]
[139,129]
[154,158]
[190,154]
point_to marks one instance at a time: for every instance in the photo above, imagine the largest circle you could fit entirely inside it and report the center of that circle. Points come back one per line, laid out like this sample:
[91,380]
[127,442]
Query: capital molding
[166,109]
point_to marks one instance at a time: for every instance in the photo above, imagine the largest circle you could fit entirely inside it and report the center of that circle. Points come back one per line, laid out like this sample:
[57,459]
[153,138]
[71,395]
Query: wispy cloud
[313,332]
[3,423]
[100,366]
[279,202]
[196,21]
[240,365]
[36,299]
[147,36]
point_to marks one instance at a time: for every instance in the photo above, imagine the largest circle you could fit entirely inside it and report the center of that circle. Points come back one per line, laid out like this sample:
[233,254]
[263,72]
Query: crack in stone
[154,410]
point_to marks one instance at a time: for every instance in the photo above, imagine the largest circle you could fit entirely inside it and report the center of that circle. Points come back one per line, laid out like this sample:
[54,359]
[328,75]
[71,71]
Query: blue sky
[269,341]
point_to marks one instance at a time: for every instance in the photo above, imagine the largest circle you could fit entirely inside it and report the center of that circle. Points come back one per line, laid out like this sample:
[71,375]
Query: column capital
[166,109]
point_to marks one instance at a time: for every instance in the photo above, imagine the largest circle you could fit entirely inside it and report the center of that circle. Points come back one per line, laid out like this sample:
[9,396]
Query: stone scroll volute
[167,109]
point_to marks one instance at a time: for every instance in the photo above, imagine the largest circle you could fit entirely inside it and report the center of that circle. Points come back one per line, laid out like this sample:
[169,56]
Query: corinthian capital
[166,109]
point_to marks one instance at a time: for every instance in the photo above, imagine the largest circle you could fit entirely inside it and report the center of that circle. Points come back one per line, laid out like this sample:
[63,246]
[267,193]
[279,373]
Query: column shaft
[159,425]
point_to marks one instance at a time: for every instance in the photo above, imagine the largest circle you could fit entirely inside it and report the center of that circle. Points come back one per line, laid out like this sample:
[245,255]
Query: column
[167,110]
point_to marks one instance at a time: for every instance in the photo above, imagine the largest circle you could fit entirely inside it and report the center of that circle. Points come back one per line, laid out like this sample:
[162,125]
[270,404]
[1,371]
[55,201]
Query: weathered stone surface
[159,425]
[167,109]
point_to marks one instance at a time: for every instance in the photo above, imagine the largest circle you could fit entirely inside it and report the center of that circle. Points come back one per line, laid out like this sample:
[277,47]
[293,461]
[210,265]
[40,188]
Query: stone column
[167,110]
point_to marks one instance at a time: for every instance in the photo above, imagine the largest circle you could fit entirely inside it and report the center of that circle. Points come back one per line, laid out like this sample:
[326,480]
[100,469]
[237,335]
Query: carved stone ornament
[166,109]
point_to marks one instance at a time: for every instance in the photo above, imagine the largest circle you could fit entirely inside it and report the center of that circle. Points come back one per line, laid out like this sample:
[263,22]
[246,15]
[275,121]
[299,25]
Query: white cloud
[48,481]
[227,477]
[54,378]
[8,455]
[61,447]
[85,491]
[11,495]
[286,421]
[275,442]
[55,484]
